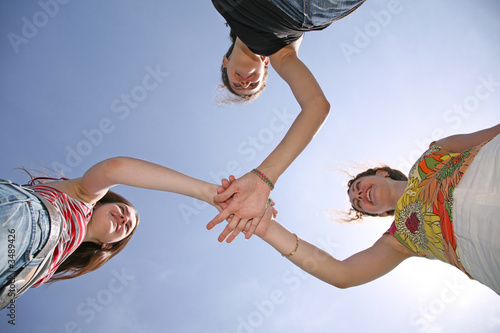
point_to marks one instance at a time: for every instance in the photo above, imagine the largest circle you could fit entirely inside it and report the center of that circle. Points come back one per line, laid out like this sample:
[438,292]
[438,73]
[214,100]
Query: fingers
[240,227]
[272,203]
[230,227]
[219,218]
[232,237]
[235,225]
[220,189]
[225,183]
[224,233]
[234,228]
[247,227]
[253,226]
[226,194]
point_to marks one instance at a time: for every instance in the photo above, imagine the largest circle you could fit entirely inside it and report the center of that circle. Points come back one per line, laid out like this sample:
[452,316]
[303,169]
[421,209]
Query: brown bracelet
[295,250]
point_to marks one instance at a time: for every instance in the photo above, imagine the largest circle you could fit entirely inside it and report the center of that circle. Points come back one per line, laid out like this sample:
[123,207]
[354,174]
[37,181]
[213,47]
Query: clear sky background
[87,80]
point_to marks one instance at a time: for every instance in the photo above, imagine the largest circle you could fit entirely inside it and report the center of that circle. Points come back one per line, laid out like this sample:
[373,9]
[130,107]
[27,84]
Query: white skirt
[476,216]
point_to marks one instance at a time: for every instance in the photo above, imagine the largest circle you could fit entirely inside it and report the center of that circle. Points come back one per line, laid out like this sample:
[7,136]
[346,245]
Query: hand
[269,216]
[270,213]
[249,196]
[211,191]
[224,185]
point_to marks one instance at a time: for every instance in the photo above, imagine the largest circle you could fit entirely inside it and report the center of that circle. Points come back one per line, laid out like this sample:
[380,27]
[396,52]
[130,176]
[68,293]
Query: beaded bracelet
[264,178]
[295,250]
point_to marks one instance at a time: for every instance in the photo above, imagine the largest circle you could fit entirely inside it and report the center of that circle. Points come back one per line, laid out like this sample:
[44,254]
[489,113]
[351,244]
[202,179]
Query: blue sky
[84,81]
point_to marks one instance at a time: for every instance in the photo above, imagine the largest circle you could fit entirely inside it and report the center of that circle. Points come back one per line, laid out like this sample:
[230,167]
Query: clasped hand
[244,202]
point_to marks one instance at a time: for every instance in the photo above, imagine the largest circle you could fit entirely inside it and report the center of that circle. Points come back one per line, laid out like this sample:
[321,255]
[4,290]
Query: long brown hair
[88,256]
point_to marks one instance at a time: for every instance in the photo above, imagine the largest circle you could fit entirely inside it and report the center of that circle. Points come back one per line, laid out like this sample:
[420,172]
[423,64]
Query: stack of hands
[246,206]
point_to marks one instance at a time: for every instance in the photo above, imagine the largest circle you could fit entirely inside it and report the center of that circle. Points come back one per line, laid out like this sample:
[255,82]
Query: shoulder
[433,153]
[288,52]
[73,189]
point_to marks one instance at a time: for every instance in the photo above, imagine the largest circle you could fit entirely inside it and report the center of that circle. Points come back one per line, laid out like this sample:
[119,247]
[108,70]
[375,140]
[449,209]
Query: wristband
[264,178]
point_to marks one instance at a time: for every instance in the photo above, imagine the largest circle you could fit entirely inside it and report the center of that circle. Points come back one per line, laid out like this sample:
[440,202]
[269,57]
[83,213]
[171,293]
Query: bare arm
[362,267]
[134,172]
[315,110]
[460,142]
[250,192]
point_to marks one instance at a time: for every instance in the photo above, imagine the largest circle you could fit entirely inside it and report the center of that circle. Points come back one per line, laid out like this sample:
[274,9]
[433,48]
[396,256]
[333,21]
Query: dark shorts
[315,13]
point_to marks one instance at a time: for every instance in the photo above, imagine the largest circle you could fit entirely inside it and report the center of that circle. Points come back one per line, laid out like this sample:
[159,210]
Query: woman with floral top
[447,209]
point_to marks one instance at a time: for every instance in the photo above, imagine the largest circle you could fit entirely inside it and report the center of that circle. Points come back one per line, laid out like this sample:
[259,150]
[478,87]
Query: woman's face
[112,222]
[371,194]
[245,75]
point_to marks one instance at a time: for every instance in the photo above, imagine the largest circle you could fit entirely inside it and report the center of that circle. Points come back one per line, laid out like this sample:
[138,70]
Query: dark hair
[395,174]
[225,78]
[88,256]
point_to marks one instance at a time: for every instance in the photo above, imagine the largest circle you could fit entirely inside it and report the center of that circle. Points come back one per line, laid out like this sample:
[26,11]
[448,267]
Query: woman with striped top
[66,228]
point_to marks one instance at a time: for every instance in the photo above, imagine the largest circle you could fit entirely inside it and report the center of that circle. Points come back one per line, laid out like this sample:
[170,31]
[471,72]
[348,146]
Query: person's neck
[88,237]
[240,49]
[398,190]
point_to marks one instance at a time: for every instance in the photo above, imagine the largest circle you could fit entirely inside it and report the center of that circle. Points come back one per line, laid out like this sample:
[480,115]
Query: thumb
[226,194]
[220,189]
[224,184]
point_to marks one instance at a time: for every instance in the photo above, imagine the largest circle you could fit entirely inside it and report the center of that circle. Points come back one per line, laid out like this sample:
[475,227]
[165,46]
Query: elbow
[111,165]
[349,281]
[114,162]
[317,109]
[342,284]
[343,281]
[324,107]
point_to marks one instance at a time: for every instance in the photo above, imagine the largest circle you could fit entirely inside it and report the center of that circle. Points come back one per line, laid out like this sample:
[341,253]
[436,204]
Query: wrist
[263,177]
[284,241]
[271,172]
[208,193]
[272,231]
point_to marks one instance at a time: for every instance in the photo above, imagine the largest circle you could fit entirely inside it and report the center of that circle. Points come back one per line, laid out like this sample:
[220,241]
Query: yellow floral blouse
[423,219]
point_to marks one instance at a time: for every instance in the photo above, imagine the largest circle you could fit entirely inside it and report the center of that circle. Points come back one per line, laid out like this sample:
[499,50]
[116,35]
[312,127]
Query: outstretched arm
[362,267]
[460,142]
[134,172]
[250,192]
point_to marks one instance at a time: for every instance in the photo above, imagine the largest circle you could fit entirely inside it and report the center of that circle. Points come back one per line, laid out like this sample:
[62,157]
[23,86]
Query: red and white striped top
[76,214]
